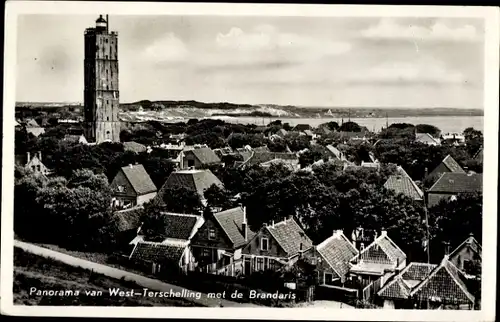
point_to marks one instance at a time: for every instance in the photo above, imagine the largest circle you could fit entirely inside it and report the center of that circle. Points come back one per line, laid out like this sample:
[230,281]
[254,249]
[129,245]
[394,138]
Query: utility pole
[427,228]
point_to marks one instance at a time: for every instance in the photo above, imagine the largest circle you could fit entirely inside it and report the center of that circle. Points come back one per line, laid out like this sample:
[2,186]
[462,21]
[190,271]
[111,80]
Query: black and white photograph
[322,160]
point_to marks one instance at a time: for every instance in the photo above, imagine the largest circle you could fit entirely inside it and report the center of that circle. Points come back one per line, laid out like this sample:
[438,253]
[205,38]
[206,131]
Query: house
[354,136]
[426,138]
[128,224]
[450,184]
[453,139]
[333,256]
[447,165]
[265,159]
[479,155]
[377,261]
[282,133]
[444,288]
[309,134]
[218,244]
[403,184]
[464,255]
[197,157]
[134,147]
[173,253]
[34,128]
[301,127]
[395,294]
[323,131]
[335,153]
[75,138]
[33,163]
[132,186]
[195,180]
[274,246]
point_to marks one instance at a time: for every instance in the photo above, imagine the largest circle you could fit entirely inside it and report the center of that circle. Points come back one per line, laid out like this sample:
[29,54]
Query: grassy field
[48,274]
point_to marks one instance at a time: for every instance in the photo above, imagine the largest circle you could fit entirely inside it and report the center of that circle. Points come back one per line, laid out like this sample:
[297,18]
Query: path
[144,281]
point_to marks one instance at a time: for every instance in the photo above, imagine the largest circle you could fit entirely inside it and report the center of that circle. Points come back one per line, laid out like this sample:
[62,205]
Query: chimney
[272,223]
[446,248]
[29,157]
[383,233]
[375,234]
[426,172]
[362,247]
[244,224]
[107,23]
[40,156]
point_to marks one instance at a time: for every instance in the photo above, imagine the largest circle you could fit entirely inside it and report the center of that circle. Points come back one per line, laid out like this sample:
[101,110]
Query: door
[247,264]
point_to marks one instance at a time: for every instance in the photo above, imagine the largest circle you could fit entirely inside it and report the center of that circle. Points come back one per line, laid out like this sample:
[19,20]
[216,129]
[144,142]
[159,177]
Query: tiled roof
[450,182]
[196,180]
[231,223]
[289,236]
[129,218]
[470,242]
[32,123]
[405,185]
[425,138]
[262,157]
[179,226]
[383,251]
[395,289]
[134,147]
[206,155]
[444,284]
[417,271]
[479,154]
[139,179]
[334,151]
[308,132]
[157,253]
[282,132]
[338,251]
[452,165]
[400,286]
[72,137]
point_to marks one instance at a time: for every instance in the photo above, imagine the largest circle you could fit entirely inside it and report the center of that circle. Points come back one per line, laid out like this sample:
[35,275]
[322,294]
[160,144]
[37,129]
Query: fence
[336,293]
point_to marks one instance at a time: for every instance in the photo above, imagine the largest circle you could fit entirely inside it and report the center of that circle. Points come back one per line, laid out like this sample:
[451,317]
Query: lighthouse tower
[101,94]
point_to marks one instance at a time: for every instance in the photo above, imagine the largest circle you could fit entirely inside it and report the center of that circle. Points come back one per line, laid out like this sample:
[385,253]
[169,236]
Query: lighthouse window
[106,41]
[107,118]
[106,56]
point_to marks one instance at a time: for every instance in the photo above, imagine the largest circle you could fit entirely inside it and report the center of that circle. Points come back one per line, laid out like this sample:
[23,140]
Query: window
[107,101]
[467,265]
[260,264]
[264,244]
[106,56]
[211,234]
[121,189]
[266,263]
[107,118]
[206,253]
[106,41]
[190,163]
[39,168]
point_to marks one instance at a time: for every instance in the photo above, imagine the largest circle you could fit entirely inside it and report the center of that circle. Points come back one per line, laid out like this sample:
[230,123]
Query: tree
[453,221]
[218,198]
[427,128]
[159,169]
[181,200]
[332,126]
[350,127]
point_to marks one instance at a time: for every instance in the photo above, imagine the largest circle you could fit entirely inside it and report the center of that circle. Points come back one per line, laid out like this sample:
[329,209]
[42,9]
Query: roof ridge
[178,214]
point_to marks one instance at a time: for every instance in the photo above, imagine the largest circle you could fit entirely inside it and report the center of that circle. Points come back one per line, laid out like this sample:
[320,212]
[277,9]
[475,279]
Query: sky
[304,61]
